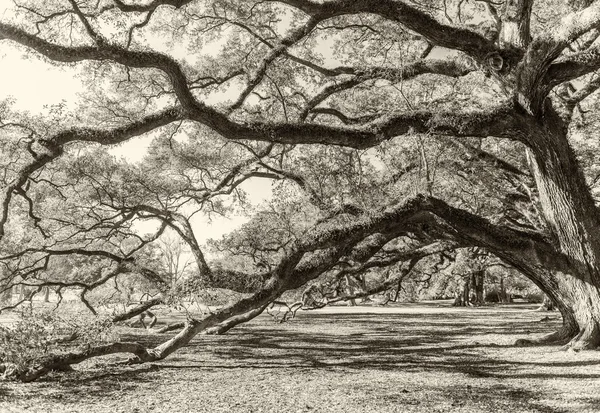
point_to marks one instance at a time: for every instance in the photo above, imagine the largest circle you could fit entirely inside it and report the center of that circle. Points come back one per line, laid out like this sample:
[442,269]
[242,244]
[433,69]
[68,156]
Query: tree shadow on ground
[499,397]
[430,344]
[425,342]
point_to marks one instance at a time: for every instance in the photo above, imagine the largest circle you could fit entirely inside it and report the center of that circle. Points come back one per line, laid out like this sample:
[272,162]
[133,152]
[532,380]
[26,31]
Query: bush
[39,333]
[534,297]
[492,296]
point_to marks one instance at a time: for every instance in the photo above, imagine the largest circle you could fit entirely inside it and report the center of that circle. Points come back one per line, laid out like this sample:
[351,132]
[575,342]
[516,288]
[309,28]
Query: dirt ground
[410,358]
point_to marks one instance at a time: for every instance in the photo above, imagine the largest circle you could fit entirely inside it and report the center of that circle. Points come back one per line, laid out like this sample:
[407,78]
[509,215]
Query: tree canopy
[393,131]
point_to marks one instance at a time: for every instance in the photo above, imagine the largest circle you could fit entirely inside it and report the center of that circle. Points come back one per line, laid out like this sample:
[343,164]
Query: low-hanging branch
[319,250]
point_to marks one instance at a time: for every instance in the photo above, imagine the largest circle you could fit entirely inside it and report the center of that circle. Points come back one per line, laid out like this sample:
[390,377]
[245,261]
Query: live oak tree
[352,182]
[255,74]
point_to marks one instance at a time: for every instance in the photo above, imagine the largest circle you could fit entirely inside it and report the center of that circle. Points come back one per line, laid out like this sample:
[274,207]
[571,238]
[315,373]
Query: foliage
[40,332]
[391,133]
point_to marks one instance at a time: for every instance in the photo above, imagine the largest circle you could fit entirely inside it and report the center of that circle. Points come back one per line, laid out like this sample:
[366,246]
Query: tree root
[559,337]
[587,339]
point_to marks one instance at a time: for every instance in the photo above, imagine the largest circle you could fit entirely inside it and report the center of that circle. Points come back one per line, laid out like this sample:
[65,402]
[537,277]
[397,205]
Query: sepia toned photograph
[324,206]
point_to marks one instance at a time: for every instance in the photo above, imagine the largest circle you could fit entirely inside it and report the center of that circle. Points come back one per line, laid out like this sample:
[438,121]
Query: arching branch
[449,36]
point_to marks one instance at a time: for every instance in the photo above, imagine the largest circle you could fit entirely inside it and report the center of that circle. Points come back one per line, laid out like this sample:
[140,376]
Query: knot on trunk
[494,63]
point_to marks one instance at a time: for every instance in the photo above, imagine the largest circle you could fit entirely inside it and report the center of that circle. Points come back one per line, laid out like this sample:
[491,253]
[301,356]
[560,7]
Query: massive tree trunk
[579,304]
[556,272]
[565,199]
[572,217]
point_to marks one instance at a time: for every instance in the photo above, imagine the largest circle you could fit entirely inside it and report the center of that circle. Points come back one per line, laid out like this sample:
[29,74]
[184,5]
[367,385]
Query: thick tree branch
[449,36]
[535,79]
[59,361]
[472,124]
[320,250]
[573,66]
[148,6]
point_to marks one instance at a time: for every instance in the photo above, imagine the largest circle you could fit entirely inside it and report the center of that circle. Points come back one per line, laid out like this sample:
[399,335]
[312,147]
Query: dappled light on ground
[405,359]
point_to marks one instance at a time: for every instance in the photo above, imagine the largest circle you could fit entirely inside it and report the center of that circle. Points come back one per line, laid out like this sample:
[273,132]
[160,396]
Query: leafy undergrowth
[405,359]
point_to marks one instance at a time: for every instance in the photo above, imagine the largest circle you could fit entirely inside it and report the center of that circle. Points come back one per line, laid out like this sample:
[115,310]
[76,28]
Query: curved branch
[149,7]
[107,51]
[497,122]
[322,249]
[59,361]
[449,36]
[573,66]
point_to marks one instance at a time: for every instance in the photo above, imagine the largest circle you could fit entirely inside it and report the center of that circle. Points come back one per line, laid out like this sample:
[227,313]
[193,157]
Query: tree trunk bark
[515,23]
[477,280]
[572,216]
[583,302]
[578,303]
[461,298]
[503,295]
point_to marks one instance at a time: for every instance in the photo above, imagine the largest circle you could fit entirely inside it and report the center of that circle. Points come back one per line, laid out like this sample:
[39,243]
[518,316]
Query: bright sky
[35,84]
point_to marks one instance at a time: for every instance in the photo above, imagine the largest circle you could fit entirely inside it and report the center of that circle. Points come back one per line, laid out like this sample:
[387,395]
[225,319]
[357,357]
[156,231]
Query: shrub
[534,297]
[38,333]
[492,296]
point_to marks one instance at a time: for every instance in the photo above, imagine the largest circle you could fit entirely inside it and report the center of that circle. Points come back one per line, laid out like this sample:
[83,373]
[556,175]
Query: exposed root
[587,339]
[559,337]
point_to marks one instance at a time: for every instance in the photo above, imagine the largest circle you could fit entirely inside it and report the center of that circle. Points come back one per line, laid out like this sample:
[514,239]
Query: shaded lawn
[406,359]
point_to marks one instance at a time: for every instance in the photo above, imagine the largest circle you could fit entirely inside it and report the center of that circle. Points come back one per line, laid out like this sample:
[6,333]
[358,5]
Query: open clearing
[406,358]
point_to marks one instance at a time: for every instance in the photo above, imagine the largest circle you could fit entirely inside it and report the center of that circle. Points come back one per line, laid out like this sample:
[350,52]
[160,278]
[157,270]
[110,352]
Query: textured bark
[477,281]
[514,30]
[566,267]
[538,258]
[572,216]
[581,300]
[62,361]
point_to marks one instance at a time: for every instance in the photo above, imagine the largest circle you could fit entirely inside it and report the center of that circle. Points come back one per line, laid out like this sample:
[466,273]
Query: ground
[410,358]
